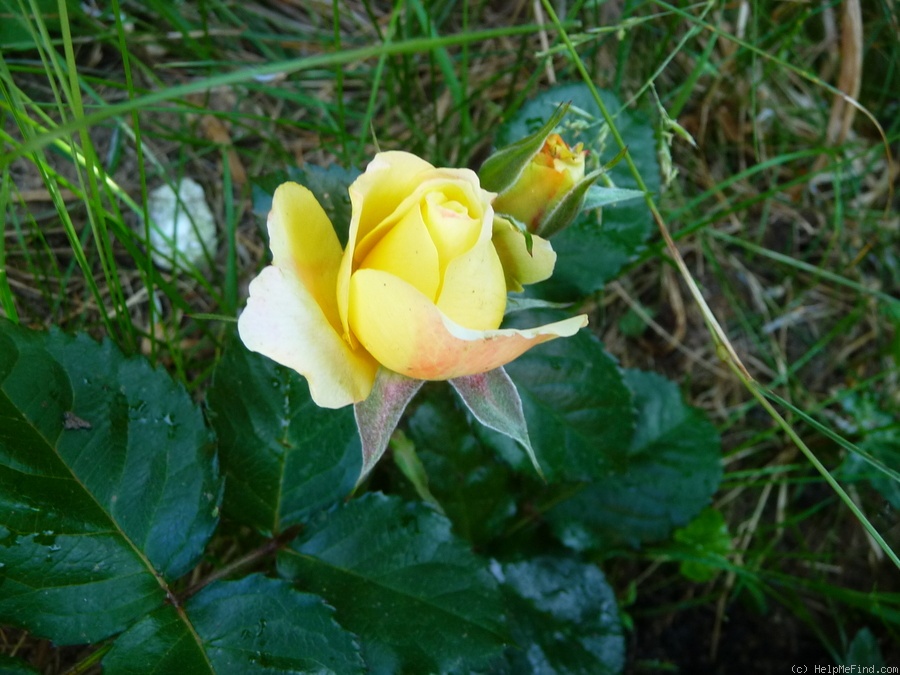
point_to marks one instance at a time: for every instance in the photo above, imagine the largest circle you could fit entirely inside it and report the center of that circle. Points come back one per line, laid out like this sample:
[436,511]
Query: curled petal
[474,290]
[457,213]
[284,321]
[407,251]
[408,334]
[304,244]
[388,179]
[292,314]
[438,194]
[520,266]
[534,193]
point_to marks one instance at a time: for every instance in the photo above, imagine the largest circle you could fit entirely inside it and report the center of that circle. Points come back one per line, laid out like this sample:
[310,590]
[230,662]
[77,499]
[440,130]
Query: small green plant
[127,483]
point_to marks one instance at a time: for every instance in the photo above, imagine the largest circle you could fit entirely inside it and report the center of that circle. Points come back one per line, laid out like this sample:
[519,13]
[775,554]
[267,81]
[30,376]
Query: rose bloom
[420,289]
[545,181]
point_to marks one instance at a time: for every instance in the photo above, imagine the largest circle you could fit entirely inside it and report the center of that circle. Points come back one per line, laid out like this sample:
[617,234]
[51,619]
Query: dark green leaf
[284,456]
[707,538]
[594,249]
[590,254]
[564,618]
[14,26]
[471,484]
[13,666]
[161,642]
[329,185]
[877,456]
[663,478]
[633,323]
[109,485]
[254,625]
[419,600]
[864,651]
[576,403]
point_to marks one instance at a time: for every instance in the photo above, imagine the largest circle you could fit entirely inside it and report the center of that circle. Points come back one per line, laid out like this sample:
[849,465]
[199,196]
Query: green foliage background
[176,503]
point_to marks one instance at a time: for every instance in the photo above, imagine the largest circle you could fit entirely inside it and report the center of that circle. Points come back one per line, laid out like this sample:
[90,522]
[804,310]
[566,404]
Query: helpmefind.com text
[853,669]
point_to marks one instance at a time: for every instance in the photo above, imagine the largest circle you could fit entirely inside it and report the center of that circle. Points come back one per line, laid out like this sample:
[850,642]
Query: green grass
[791,240]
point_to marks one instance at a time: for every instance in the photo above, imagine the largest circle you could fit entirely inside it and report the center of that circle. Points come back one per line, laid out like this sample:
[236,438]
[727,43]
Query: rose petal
[408,334]
[304,243]
[519,266]
[474,290]
[531,196]
[408,252]
[437,186]
[388,179]
[455,215]
[284,321]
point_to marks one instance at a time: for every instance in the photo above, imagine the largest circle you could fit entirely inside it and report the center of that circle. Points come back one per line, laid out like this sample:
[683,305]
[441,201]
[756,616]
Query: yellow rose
[420,289]
[546,180]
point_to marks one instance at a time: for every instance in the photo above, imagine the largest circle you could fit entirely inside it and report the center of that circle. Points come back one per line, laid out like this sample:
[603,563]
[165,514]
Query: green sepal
[379,414]
[521,227]
[518,303]
[585,195]
[568,207]
[502,169]
[493,399]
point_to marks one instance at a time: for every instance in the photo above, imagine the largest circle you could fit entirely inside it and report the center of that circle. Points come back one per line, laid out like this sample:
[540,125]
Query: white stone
[181,226]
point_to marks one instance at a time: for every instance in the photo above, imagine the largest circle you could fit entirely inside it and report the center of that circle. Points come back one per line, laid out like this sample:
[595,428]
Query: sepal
[493,399]
[379,414]
[568,208]
[502,169]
